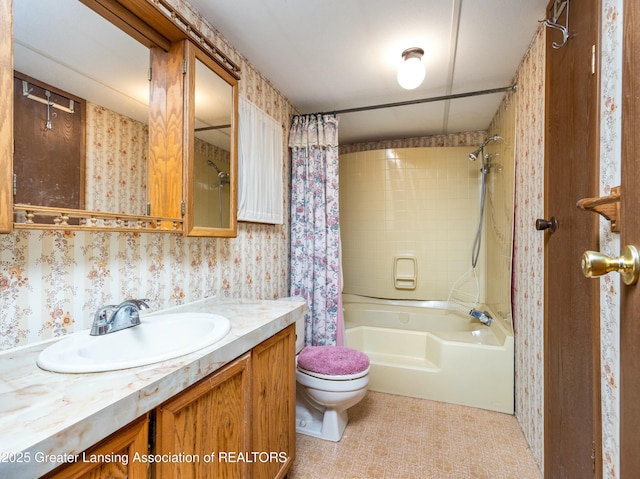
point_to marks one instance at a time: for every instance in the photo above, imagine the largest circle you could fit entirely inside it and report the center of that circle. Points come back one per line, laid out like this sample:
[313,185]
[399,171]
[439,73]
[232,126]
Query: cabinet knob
[550,224]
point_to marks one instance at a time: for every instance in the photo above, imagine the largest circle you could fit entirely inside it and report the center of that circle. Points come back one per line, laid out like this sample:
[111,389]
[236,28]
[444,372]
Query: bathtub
[421,349]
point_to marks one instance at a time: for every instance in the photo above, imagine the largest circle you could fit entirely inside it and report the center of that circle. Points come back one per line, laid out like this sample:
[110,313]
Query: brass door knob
[628,264]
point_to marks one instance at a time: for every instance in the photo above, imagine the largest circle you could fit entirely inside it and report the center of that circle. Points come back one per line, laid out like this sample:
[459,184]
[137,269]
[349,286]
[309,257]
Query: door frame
[630,235]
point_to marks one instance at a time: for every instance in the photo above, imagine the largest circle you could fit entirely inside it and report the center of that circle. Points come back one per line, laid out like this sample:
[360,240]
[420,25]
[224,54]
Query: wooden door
[630,235]
[48,162]
[572,388]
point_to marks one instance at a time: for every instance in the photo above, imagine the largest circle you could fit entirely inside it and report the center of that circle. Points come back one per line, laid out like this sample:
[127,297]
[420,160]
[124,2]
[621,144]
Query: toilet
[329,380]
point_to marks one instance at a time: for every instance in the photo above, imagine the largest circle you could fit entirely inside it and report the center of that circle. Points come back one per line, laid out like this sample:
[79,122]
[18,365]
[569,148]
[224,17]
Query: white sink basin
[156,339]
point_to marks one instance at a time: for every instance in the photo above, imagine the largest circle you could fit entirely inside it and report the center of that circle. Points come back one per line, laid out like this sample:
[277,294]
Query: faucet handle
[134,314]
[101,320]
[141,303]
[132,308]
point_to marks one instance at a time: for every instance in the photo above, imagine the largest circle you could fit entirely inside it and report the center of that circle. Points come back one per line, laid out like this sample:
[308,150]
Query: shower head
[474,156]
[221,174]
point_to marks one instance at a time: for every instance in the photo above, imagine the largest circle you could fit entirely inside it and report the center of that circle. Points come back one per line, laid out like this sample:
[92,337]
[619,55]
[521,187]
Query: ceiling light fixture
[411,71]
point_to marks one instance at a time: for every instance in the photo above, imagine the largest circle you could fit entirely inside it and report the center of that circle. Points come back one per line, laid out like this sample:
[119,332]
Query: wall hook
[558,7]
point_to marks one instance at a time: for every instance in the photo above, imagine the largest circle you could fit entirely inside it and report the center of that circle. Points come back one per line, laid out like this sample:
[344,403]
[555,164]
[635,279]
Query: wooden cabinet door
[208,425]
[117,453]
[6,117]
[166,132]
[274,405]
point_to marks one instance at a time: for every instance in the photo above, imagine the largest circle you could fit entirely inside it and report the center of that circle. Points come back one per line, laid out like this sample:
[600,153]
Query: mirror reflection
[71,52]
[212,149]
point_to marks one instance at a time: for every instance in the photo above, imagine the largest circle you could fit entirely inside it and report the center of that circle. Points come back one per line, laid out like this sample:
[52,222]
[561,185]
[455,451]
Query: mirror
[212,149]
[68,46]
[144,126]
[212,165]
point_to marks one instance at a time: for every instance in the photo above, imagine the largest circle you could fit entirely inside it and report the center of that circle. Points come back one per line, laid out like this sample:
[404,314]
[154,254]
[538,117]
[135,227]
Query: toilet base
[328,425]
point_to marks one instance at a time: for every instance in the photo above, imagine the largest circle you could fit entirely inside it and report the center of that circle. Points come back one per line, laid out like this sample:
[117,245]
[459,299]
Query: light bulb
[411,71]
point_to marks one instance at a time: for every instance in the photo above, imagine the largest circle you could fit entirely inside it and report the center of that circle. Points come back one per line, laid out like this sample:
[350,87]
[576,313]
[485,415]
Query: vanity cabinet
[237,422]
[113,457]
[206,423]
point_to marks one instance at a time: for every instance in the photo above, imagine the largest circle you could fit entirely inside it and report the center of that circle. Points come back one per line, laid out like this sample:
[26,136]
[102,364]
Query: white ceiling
[328,55]
[323,55]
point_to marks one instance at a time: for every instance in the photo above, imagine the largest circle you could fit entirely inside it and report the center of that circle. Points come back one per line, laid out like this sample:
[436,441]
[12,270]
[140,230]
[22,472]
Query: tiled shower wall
[415,203]
[210,195]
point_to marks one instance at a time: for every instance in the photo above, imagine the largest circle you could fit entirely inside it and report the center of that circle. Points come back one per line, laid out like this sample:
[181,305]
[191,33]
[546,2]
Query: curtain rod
[424,100]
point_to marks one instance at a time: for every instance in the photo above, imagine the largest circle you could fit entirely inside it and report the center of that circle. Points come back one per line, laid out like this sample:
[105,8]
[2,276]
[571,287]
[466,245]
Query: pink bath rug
[332,360]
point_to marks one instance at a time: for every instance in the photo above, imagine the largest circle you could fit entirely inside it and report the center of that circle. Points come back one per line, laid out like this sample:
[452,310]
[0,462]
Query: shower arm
[474,156]
[221,174]
[489,140]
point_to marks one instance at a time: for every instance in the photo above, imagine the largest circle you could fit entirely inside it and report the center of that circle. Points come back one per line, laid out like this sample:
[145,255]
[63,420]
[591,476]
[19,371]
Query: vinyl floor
[397,437]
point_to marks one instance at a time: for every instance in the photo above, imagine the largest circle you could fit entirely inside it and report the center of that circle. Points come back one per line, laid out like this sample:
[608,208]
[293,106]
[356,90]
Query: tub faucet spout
[112,318]
[482,316]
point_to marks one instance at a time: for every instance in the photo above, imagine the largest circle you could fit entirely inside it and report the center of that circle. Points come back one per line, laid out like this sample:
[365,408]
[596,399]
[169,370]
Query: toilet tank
[299,327]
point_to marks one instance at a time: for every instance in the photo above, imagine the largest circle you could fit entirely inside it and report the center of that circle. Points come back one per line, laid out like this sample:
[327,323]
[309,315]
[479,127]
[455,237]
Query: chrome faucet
[112,317]
[482,316]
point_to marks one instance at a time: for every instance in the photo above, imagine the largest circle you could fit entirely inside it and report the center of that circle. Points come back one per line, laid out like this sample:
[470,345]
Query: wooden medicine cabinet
[140,73]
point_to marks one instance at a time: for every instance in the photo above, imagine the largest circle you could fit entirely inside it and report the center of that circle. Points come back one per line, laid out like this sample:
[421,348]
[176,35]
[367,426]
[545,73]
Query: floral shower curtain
[315,226]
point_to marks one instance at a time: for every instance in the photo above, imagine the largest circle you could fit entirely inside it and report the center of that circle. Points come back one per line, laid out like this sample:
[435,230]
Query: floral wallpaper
[528,248]
[116,162]
[610,164]
[52,282]
[470,138]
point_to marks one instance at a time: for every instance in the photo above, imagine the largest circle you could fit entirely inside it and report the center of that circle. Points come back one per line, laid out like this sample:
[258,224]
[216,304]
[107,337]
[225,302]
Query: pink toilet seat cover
[332,360]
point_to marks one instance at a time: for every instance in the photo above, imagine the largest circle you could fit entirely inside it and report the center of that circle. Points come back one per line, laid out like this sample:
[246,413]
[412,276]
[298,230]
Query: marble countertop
[45,415]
